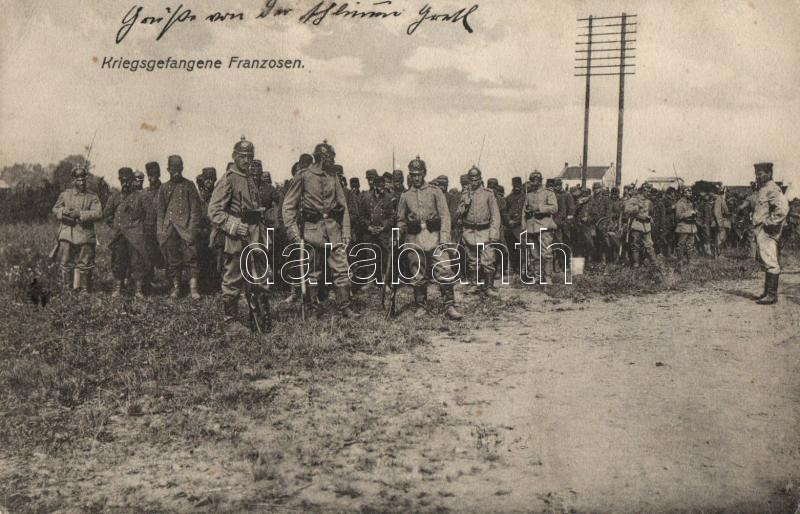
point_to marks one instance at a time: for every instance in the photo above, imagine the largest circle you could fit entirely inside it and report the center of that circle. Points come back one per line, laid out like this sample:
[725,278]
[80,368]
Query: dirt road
[675,401]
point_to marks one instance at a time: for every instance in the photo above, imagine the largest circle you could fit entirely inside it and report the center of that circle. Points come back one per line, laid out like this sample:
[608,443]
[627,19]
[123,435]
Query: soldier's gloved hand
[242,230]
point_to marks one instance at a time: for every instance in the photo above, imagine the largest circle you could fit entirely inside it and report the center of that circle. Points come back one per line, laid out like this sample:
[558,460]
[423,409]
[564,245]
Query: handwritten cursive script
[321,12]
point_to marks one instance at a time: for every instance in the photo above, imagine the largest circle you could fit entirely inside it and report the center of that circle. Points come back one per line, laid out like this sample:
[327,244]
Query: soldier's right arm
[58,208]
[111,208]
[220,198]
[94,212]
[402,209]
[291,207]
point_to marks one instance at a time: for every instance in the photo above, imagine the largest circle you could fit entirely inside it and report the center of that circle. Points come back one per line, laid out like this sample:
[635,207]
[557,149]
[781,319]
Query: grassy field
[68,368]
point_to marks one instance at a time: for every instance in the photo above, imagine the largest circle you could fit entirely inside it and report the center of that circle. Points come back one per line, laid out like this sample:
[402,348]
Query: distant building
[571,175]
[664,183]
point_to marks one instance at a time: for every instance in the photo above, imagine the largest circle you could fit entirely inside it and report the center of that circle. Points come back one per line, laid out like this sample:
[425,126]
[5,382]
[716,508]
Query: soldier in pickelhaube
[424,220]
[77,209]
[480,222]
[236,215]
[317,192]
[538,209]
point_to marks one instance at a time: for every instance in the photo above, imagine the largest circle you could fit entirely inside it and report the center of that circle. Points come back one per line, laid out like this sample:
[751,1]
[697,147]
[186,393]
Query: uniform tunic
[422,205]
[234,193]
[481,225]
[178,223]
[77,243]
[769,215]
[538,210]
[323,200]
[132,221]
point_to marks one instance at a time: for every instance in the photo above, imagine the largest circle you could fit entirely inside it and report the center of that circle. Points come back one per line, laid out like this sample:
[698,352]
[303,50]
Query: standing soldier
[640,209]
[480,222]
[77,209]
[769,217]
[705,220]
[538,209]
[380,212]
[317,193]
[207,250]
[722,221]
[686,228]
[424,220]
[237,218]
[566,212]
[398,183]
[131,220]
[514,202]
[270,199]
[153,171]
[178,224]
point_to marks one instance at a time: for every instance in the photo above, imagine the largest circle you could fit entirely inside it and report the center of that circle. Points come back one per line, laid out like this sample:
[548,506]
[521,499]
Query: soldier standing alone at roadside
[769,217]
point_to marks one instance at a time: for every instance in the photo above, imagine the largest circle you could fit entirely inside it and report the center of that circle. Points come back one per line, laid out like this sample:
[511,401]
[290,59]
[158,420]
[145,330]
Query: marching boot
[343,299]
[176,285]
[119,288]
[193,288]
[66,278]
[489,288]
[230,306]
[293,296]
[772,290]
[82,279]
[635,258]
[137,286]
[420,300]
[450,303]
[766,288]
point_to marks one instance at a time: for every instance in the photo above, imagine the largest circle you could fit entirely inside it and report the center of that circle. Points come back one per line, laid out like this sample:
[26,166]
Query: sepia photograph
[399,256]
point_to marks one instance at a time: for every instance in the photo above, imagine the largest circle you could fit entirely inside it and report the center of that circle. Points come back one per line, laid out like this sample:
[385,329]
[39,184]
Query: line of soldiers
[201,231]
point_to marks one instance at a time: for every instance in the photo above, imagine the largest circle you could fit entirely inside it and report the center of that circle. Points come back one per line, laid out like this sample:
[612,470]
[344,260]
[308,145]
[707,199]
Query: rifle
[393,294]
[259,311]
[301,229]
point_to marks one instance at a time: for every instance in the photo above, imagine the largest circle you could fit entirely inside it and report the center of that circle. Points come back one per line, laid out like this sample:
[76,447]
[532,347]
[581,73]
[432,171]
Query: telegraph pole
[610,65]
[586,107]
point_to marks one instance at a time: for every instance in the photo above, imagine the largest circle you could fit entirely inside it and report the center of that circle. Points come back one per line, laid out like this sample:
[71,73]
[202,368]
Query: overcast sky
[715,90]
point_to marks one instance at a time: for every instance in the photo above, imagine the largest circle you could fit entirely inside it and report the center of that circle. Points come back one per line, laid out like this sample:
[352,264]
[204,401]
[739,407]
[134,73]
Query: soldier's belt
[316,216]
[537,215]
[251,216]
[477,226]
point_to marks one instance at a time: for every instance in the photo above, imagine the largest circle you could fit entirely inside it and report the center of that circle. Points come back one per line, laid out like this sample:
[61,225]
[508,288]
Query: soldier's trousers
[642,242]
[179,254]
[512,237]
[540,257]
[486,256]
[720,237]
[768,252]
[127,261]
[429,266]
[331,262]
[233,281]
[72,256]
[685,243]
